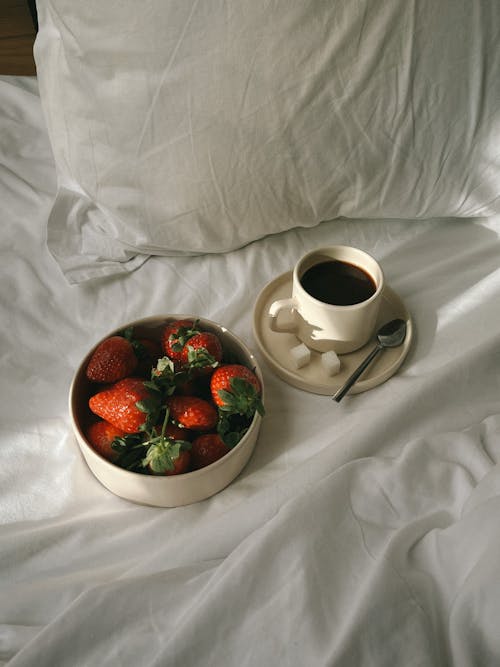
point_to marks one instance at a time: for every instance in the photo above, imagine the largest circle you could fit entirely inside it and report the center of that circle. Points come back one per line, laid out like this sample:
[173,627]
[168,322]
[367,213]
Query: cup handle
[275,309]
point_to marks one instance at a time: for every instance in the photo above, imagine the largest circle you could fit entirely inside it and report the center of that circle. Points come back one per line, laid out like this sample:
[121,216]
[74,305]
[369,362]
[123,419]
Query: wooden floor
[17,35]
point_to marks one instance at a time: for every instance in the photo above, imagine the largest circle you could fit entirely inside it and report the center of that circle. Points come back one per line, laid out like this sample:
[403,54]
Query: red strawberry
[236,389]
[202,352]
[112,360]
[126,405]
[206,449]
[175,335]
[100,435]
[192,412]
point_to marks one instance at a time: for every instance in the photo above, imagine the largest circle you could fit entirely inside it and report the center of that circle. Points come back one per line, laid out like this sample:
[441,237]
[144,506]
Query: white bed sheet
[364,533]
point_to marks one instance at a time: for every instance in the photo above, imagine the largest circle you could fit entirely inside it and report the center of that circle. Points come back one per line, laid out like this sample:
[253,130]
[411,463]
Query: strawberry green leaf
[232,427]
[153,386]
[160,456]
[130,449]
[165,365]
[163,376]
[200,358]
[242,398]
[128,334]
[162,453]
[148,405]
[140,350]
[180,337]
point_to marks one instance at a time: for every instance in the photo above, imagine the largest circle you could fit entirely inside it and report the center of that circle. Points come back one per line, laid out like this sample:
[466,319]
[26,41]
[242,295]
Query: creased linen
[362,533]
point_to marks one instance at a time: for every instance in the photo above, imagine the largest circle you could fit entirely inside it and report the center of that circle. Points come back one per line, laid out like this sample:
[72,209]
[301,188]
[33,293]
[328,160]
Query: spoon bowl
[391,334]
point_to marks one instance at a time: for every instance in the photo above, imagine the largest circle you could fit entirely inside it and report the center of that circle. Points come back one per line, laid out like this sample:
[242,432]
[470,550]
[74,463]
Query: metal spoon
[391,334]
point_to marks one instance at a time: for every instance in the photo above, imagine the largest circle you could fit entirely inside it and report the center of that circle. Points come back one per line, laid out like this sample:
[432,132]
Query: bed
[178,160]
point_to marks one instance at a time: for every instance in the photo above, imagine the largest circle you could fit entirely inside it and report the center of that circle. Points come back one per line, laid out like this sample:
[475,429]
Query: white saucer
[275,347]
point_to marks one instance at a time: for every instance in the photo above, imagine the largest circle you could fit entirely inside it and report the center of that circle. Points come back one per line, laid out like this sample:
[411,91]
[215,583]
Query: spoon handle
[339,395]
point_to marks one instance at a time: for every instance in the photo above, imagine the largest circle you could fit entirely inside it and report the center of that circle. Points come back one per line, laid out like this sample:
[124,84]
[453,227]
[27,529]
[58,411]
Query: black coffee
[338,283]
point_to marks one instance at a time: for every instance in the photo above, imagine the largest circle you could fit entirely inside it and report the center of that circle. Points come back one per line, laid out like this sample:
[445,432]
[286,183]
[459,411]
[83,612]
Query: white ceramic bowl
[164,491]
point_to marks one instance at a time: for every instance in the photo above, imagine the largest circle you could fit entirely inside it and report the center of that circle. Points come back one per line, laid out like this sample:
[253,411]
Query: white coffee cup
[335,302]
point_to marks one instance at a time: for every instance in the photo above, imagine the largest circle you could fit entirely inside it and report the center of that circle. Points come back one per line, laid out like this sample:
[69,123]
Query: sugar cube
[330,362]
[301,355]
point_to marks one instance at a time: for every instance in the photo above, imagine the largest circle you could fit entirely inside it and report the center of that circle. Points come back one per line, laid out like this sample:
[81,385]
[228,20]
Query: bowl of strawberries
[166,410]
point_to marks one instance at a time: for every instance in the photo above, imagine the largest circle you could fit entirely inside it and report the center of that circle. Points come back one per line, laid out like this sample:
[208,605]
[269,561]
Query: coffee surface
[338,283]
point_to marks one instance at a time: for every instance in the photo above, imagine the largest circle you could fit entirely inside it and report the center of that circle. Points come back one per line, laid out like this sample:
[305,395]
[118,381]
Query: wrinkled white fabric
[362,533]
[194,127]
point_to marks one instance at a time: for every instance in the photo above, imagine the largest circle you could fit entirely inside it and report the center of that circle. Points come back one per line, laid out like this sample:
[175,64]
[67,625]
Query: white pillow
[186,128]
